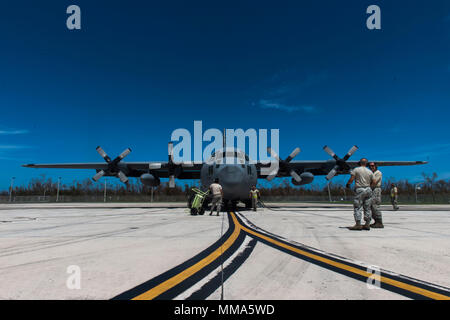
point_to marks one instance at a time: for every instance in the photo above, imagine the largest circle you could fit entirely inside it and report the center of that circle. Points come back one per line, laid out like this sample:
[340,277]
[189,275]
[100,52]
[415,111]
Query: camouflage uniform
[376,197]
[216,202]
[362,202]
[363,194]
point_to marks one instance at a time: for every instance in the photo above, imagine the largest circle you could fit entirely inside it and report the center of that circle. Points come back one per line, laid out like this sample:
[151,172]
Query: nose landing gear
[230,205]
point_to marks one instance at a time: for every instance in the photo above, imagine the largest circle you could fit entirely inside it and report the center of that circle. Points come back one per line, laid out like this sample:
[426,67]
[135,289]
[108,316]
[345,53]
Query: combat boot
[357,226]
[366,226]
[378,224]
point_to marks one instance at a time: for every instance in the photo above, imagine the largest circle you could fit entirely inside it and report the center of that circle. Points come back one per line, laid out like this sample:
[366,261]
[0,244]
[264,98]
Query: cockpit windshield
[228,156]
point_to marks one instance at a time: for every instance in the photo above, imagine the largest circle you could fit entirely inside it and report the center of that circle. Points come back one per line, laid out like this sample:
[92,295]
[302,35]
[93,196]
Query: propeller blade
[122,177]
[98,175]
[274,154]
[271,176]
[295,176]
[103,154]
[332,173]
[293,155]
[270,171]
[124,153]
[350,152]
[329,151]
[170,151]
[121,156]
[172,182]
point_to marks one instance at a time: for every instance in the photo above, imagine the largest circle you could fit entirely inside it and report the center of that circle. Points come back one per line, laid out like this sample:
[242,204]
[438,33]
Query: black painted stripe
[207,289]
[297,245]
[383,273]
[189,282]
[144,287]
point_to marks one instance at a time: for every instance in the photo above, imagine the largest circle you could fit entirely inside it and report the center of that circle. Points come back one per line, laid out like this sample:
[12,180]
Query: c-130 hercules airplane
[236,173]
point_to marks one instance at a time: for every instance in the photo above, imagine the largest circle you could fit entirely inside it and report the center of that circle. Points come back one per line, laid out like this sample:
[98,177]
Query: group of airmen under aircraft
[367,198]
[217,193]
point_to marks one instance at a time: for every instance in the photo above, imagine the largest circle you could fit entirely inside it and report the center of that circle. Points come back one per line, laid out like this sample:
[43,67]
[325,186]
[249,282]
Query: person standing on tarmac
[254,195]
[394,197]
[217,194]
[363,178]
[376,196]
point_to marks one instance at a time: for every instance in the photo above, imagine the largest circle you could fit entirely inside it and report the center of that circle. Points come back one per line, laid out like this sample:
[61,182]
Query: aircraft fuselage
[235,178]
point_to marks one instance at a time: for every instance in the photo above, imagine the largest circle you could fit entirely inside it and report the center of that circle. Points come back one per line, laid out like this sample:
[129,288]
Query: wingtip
[28,165]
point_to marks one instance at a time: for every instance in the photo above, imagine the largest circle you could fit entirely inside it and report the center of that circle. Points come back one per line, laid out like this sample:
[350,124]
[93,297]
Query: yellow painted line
[180,277]
[395,283]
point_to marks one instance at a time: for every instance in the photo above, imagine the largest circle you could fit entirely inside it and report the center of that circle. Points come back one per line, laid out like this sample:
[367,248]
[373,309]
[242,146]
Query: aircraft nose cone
[230,175]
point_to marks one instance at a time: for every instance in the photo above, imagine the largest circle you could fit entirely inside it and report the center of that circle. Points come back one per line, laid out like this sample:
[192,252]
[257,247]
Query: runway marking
[397,283]
[204,288]
[175,281]
[184,276]
[166,285]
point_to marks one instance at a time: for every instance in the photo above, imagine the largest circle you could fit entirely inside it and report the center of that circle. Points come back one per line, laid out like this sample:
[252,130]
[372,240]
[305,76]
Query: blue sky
[138,70]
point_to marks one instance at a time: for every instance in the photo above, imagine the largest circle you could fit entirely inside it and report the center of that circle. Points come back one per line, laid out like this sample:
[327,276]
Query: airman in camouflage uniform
[363,178]
[394,197]
[376,196]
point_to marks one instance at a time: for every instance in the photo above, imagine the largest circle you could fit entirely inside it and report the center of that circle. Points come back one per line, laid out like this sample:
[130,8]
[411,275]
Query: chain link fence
[93,198]
[441,198]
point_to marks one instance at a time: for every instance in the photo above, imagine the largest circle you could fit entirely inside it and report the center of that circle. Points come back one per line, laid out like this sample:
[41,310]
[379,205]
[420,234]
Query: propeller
[113,167]
[341,164]
[283,165]
[173,168]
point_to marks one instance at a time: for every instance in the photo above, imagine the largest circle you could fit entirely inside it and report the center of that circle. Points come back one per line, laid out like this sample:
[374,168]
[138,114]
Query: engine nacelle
[150,180]
[307,177]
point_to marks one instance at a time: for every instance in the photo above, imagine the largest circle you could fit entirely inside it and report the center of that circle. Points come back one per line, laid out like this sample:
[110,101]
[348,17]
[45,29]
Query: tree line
[47,186]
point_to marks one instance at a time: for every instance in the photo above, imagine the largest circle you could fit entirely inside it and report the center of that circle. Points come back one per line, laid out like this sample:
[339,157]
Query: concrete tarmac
[118,247]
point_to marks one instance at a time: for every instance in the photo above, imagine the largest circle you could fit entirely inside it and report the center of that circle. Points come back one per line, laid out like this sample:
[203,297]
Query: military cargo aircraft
[236,173]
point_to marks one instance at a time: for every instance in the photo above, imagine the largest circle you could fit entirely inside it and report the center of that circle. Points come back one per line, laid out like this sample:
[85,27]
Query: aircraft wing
[323,167]
[395,163]
[131,169]
[93,165]
[192,171]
